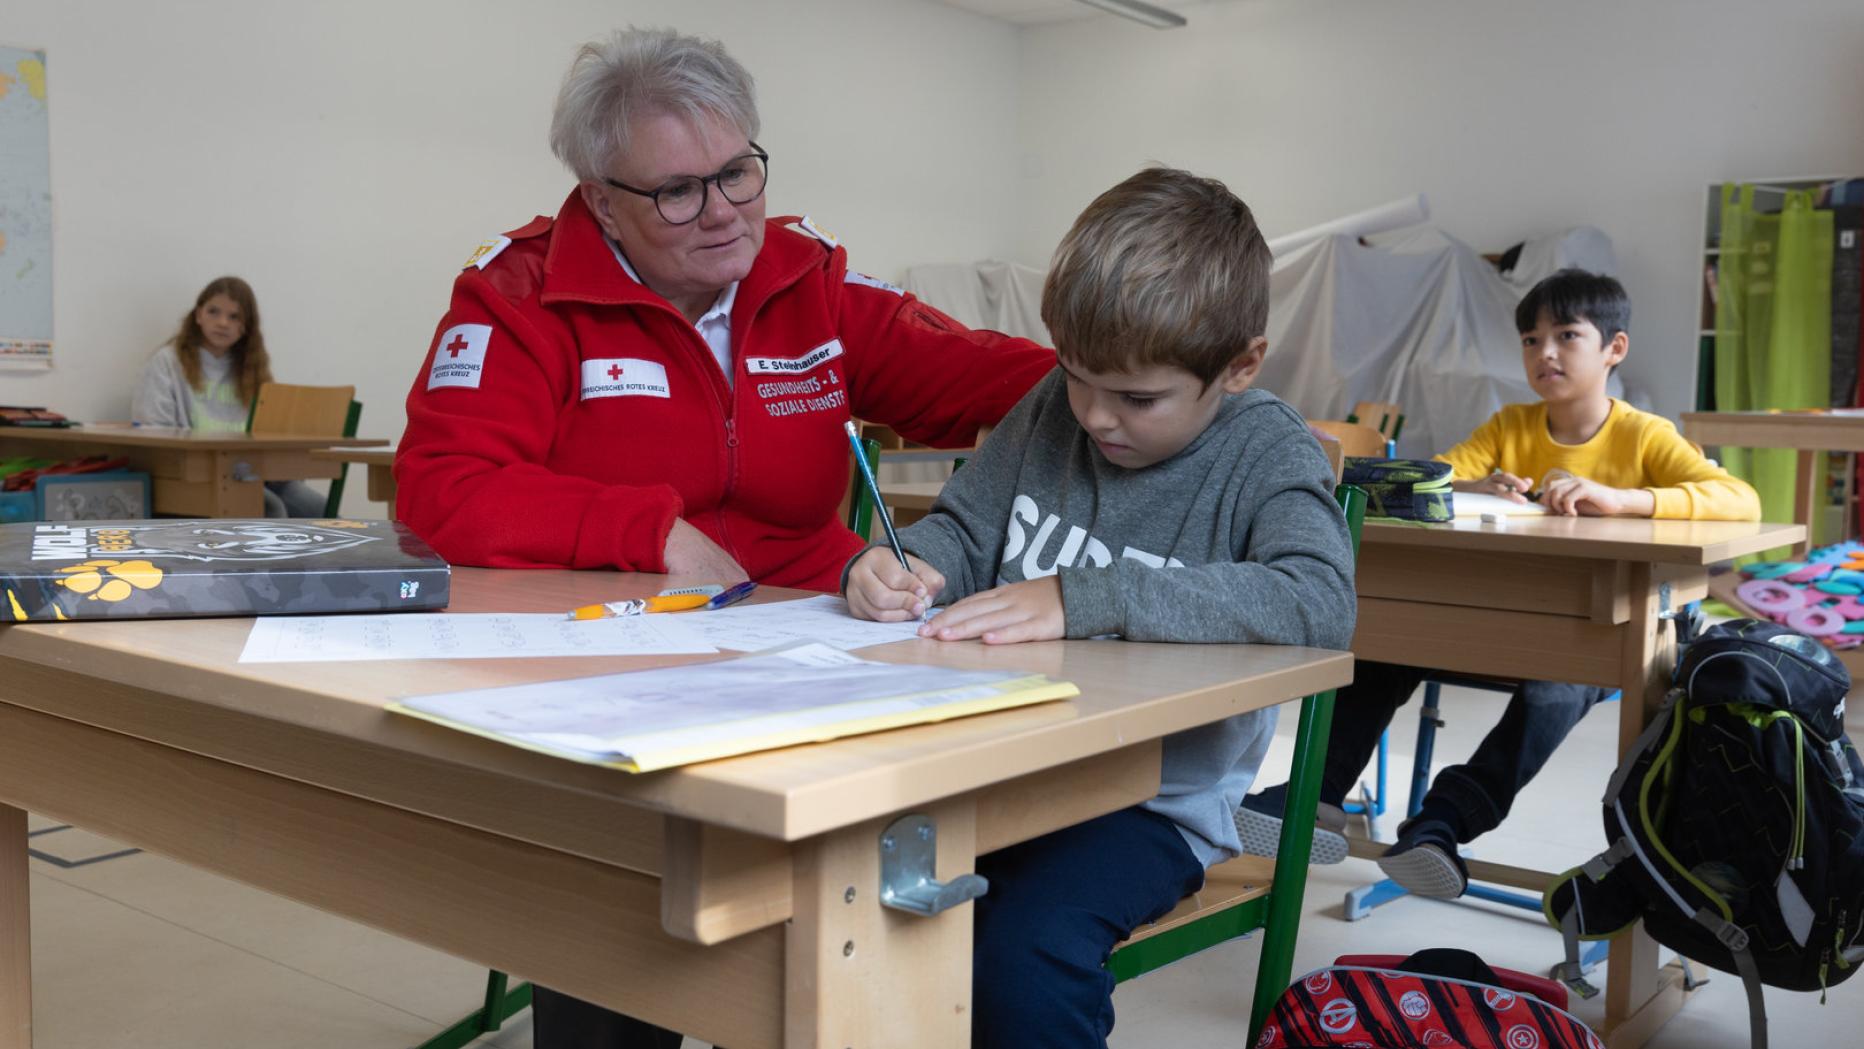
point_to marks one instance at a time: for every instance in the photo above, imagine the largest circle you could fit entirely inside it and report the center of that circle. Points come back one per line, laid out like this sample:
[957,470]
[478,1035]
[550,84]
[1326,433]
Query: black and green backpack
[1408,489]
[1736,823]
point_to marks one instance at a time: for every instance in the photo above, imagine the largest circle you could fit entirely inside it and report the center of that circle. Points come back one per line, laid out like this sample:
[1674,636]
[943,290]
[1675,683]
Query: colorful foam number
[1770,598]
[1808,573]
[1771,569]
[1837,589]
[1847,575]
[1815,621]
[1856,627]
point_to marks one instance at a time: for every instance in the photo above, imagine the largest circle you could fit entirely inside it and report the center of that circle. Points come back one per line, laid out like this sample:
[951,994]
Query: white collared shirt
[714,324]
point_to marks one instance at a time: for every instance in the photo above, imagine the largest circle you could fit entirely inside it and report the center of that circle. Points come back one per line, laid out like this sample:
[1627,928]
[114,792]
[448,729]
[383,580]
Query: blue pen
[873,488]
[731,595]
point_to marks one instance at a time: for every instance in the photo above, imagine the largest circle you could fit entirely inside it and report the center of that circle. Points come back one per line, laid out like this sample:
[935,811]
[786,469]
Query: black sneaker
[1259,824]
[1424,860]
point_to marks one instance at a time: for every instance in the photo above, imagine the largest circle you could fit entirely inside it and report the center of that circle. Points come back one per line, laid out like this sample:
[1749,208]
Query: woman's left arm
[919,371]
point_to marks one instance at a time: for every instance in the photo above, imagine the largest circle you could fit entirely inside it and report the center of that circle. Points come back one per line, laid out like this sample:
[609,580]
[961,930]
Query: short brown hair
[1164,268]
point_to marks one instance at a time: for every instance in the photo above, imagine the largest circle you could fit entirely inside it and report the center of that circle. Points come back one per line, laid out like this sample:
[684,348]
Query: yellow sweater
[1632,450]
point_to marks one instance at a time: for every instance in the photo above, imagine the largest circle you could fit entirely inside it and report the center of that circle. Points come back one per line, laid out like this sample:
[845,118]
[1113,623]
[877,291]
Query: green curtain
[1773,325]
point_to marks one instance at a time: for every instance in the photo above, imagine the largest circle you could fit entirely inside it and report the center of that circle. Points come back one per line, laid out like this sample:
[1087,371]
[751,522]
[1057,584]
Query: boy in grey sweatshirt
[1141,490]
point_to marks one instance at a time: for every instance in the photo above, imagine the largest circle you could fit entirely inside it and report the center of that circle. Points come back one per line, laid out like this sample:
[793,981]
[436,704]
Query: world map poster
[25,212]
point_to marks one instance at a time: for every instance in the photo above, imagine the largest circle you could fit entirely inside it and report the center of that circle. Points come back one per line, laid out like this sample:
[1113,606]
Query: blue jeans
[1475,797]
[1056,906]
[293,499]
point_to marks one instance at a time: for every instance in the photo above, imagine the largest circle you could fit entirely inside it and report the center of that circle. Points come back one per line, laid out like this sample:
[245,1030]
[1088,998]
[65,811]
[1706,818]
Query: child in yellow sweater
[1578,451]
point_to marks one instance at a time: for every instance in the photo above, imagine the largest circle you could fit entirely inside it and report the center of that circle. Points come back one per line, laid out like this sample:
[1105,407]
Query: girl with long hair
[206,375]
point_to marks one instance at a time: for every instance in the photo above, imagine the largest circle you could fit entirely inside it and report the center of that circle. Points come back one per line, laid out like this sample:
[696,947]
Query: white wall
[1517,117]
[345,157]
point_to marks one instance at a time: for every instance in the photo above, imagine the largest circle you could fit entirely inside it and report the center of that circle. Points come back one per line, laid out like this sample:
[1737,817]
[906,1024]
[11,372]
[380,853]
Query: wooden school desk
[734,900]
[1577,599]
[192,474]
[381,464]
[1839,430]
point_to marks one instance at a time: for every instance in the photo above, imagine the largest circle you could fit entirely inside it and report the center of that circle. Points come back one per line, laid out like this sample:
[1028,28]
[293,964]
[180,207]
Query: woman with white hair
[656,379]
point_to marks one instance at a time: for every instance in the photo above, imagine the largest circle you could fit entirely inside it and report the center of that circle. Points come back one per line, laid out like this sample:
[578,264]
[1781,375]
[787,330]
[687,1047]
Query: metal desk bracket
[908,861]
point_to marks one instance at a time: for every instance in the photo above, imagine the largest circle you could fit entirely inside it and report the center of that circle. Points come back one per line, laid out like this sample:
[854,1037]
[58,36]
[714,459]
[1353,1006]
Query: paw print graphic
[107,580]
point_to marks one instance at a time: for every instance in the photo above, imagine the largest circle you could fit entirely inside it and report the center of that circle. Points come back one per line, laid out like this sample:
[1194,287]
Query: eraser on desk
[1498,520]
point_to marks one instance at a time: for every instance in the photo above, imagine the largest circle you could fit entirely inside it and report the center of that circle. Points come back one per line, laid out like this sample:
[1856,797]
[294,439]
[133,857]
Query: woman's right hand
[880,590]
[693,557]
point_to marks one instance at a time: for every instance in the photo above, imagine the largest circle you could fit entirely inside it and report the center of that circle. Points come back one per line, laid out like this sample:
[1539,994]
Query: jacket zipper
[728,407]
[731,475]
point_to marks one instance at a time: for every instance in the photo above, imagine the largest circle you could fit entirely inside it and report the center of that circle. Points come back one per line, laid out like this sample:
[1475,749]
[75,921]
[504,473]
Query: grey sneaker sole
[1261,836]
[1425,871]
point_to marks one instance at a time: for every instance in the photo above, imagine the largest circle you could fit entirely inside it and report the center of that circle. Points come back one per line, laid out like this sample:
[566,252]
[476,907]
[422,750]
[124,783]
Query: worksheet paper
[648,719]
[489,635]
[753,628]
[1475,504]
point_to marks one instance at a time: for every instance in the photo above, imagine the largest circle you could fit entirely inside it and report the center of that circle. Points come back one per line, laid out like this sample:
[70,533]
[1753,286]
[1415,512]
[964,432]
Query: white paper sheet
[1475,504]
[646,715]
[753,628]
[329,639]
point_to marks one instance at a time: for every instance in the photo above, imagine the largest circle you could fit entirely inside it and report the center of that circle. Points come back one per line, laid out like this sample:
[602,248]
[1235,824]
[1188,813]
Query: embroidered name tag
[852,277]
[815,358]
[623,377]
[459,358]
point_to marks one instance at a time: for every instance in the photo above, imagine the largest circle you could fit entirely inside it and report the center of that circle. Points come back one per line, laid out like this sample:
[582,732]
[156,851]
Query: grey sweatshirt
[164,398]
[1237,538]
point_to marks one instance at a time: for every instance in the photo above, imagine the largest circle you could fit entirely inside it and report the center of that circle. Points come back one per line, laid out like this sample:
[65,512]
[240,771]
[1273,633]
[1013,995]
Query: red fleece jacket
[566,414]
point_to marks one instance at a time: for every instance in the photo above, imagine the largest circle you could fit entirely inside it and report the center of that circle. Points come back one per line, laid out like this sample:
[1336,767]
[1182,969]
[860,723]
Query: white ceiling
[1031,12]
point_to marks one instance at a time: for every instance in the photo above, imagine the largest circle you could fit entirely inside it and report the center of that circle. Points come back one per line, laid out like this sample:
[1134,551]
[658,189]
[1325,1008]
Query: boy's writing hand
[1506,485]
[1027,611]
[880,590]
[1572,496]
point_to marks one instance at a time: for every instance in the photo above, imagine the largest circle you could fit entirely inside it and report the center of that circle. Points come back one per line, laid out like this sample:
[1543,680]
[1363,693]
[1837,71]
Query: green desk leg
[1288,891]
[500,1005]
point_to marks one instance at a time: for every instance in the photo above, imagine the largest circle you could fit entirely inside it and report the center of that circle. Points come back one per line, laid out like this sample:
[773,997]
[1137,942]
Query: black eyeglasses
[681,200]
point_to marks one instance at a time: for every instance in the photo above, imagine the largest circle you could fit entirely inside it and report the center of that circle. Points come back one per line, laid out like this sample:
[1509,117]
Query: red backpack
[1436,999]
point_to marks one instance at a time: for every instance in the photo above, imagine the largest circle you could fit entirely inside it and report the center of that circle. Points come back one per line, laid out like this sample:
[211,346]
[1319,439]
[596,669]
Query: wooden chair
[1253,892]
[1356,439]
[317,411]
[1382,416]
[1336,456]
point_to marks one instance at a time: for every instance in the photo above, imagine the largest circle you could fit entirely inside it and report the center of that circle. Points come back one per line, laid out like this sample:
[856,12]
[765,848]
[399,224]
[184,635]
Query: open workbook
[655,719]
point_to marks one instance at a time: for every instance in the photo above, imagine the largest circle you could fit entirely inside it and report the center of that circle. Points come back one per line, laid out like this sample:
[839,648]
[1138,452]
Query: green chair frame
[501,1004]
[1278,913]
[333,504]
[860,500]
